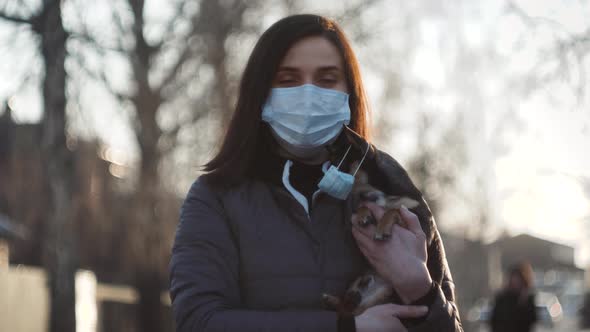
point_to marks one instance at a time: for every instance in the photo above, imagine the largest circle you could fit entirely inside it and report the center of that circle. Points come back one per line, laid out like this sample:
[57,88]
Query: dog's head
[362,190]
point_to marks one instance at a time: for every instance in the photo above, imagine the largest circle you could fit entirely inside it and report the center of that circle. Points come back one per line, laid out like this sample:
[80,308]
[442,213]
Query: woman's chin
[313,156]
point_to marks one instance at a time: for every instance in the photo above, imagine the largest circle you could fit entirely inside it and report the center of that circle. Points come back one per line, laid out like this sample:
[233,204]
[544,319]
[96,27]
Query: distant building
[553,262]
[469,264]
[479,268]
[104,193]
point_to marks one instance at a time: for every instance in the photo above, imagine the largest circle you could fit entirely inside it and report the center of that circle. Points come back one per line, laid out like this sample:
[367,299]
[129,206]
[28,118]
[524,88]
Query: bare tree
[436,165]
[563,59]
[157,86]
[60,247]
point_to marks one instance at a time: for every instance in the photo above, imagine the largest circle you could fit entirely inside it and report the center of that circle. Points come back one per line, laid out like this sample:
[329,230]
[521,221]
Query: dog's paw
[330,300]
[381,236]
[367,220]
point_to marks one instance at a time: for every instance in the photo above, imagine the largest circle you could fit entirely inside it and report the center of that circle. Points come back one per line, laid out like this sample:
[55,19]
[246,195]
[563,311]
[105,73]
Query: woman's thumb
[408,311]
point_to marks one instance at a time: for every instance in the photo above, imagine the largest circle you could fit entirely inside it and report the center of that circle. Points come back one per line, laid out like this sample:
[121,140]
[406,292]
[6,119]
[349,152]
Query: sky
[545,158]
[532,180]
[534,185]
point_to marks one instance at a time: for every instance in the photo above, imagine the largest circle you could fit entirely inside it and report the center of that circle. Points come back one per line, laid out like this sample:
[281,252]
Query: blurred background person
[514,306]
[585,312]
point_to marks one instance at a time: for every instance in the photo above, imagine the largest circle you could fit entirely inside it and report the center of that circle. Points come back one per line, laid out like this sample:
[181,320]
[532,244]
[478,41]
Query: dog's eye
[371,196]
[365,281]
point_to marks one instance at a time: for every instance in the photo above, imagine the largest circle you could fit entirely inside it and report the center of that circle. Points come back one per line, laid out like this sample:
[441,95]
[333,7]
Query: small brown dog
[370,289]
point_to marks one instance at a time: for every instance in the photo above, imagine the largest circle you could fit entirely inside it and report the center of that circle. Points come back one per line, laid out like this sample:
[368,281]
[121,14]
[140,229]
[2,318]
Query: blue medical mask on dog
[336,183]
[306,118]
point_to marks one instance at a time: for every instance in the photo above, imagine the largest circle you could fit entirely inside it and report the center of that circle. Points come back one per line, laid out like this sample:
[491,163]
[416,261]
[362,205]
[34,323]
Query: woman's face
[312,60]
[516,282]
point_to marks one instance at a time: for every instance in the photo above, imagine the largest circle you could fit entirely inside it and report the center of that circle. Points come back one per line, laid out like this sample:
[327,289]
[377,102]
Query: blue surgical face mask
[336,183]
[306,118]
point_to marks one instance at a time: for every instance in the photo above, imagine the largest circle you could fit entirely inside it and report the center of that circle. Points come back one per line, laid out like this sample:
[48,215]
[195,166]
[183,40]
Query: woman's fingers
[368,255]
[399,233]
[362,239]
[408,311]
[367,230]
[411,220]
[365,244]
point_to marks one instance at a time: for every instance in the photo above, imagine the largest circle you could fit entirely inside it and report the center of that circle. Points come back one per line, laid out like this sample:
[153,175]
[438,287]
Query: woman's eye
[328,81]
[286,81]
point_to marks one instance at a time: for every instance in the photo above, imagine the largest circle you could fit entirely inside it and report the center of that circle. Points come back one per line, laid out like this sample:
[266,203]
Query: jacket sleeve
[443,315]
[204,277]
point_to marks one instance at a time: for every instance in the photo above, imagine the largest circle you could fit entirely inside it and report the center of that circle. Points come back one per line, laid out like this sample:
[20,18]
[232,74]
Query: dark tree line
[131,233]
[59,250]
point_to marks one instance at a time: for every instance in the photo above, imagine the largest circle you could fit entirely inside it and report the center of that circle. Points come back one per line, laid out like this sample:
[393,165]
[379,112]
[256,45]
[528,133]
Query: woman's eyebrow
[320,69]
[329,68]
[287,69]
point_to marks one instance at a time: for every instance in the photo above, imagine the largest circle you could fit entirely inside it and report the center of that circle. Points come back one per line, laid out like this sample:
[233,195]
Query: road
[566,325]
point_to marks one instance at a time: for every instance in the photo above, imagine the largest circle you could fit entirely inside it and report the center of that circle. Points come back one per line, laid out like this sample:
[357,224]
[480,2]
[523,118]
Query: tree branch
[532,21]
[172,135]
[177,87]
[87,38]
[101,77]
[173,73]
[15,19]
[179,10]
[25,4]
[565,45]
[120,26]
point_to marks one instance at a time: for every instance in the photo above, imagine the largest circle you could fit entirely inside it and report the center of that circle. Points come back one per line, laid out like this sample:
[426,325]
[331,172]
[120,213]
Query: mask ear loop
[363,159]
[345,154]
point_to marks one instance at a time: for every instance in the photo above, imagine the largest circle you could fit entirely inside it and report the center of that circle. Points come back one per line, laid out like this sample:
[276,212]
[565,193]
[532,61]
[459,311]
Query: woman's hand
[401,259]
[386,317]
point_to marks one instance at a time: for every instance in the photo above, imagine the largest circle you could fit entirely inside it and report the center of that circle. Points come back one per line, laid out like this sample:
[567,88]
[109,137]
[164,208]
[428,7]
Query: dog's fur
[369,289]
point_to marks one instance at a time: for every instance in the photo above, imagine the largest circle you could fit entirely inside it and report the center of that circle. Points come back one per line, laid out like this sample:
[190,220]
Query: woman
[514,307]
[266,232]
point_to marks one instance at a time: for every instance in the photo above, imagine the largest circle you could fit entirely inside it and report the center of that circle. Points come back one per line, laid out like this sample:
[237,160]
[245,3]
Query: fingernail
[403,207]
[423,309]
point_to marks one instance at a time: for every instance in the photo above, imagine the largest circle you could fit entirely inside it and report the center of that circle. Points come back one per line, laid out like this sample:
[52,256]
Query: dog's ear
[396,202]
[362,176]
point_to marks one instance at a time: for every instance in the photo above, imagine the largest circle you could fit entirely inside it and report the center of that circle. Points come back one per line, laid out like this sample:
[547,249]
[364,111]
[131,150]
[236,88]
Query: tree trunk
[148,255]
[60,259]
[149,308]
[147,224]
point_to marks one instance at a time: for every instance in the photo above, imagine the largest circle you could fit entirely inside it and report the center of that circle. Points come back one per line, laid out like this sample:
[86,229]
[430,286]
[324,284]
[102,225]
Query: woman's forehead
[311,53]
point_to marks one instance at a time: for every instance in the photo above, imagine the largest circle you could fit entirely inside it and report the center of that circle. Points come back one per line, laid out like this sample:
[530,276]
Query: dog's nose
[370,196]
[352,298]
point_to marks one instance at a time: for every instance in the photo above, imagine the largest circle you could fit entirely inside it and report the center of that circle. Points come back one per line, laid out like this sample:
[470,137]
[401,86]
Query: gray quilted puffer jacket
[250,258]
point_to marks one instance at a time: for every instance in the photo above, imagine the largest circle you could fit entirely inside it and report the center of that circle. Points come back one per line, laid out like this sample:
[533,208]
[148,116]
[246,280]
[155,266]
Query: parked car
[549,310]
[480,312]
